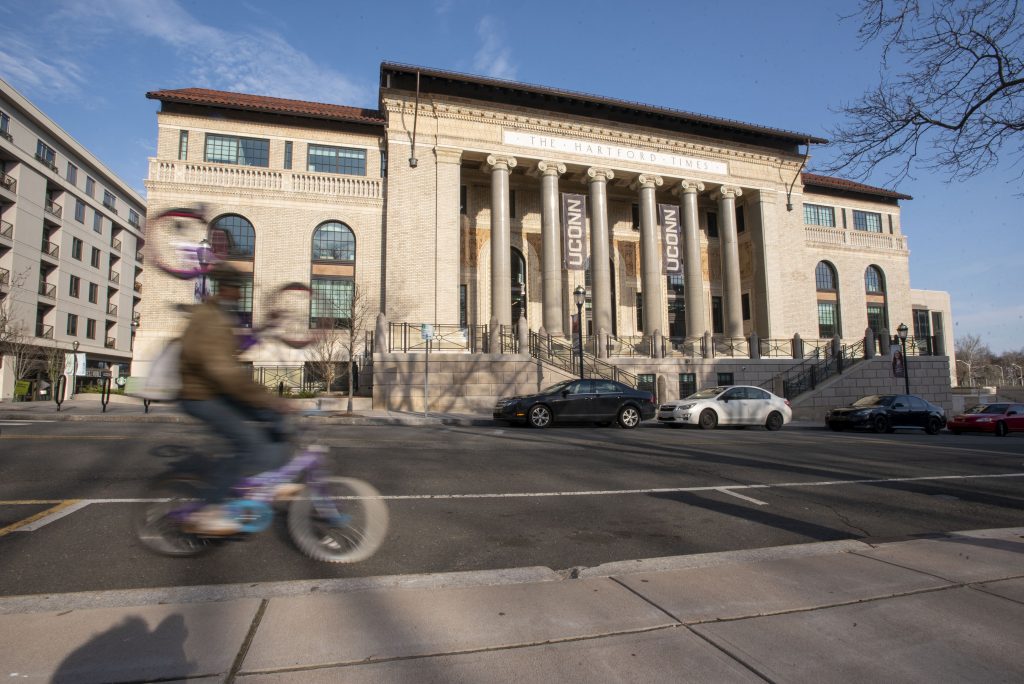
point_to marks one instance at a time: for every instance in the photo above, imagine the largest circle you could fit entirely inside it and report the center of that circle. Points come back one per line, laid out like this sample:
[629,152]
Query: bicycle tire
[351,540]
[156,529]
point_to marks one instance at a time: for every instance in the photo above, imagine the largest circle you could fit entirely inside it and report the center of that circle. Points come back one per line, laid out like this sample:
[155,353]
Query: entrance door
[518,286]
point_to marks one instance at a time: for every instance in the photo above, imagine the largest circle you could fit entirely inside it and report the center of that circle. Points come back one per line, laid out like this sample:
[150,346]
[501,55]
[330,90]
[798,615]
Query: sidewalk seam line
[905,567]
[645,599]
[243,650]
[729,655]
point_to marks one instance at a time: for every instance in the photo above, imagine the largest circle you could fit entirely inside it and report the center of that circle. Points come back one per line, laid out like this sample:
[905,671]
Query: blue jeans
[257,439]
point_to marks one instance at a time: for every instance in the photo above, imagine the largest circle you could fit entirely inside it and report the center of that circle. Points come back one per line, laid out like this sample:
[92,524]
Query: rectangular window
[648,382]
[717,322]
[463,307]
[383,163]
[46,154]
[511,203]
[827,320]
[94,261]
[72,324]
[867,220]
[891,231]
[79,210]
[97,222]
[109,201]
[94,291]
[90,328]
[725,379]
[90,186]
[937,330]
[741,224]
[818,215]
[640,311]
[182,145]
[72,174]
[635,213]
[327,159]
[5,126]
[288,154]
[462,199]
[332,303]
[876,318]
[76,248]
[133,217]
[74,283]
[712,218]
[687,384]
[745,302]
[228,149]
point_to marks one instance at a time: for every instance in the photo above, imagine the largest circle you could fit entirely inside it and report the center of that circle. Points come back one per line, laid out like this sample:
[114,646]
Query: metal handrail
[812,372]
[6,229]
[405,337]
[5,276]
[114,277]
[111,309]
[558,353]
[730,347]
[44,331]
[115,244]
[54,208]
[47,290]
[686,346]
[775,349]
[50,249]
[8,182]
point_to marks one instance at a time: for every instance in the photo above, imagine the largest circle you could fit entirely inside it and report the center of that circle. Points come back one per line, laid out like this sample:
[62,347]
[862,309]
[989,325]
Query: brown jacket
[209,360]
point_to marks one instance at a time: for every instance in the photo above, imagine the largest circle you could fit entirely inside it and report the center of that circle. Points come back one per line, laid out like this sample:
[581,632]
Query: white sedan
[735,405]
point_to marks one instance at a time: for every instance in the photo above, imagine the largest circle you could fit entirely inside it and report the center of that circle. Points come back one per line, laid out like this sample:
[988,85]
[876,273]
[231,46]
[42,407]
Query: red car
[998,418]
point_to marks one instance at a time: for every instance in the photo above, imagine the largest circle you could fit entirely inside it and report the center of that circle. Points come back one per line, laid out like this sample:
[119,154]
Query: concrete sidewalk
[937,609]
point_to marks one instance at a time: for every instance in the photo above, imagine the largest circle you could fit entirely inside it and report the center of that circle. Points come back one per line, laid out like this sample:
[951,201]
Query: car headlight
[683,407]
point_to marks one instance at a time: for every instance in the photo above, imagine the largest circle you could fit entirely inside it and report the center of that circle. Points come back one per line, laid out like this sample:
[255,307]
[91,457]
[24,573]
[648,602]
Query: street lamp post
[135,328]
[902,332]
[970,372]
[204,251]
[580,296]
[1020,373]
[74,367]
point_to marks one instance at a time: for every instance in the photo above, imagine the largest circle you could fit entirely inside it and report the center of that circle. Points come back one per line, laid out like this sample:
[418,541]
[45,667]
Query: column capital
[647,180]
[686,186]
[727,192]
[448,155]
[496,161]
[599,174]
[550,168]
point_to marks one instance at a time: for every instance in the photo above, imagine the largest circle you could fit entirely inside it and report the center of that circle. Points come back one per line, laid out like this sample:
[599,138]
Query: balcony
[134,220]
[138,287]
[8,183]
[855,239]
[138,256]
[112,206]
[5,277]
[111,309]
[7,134]
[52,208]
[115,244]
[44,331]
[50,249]
[110,343]
[114,276]
[47,290]
[261,179]
[47,162]
[6,231]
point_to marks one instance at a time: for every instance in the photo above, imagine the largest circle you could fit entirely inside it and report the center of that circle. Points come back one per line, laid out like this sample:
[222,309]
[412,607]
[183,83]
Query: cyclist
[217,389]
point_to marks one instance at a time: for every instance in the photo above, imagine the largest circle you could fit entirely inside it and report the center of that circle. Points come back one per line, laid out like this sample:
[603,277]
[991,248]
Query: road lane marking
[34,522]
[17,436]
[728,490]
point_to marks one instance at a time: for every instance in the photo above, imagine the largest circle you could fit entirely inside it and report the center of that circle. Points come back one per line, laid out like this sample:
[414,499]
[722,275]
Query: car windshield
[707,393]
[557,387]
[988,408]
[874,400]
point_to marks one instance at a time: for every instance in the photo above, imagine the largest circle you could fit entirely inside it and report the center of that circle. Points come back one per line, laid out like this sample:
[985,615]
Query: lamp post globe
[902,331]
[579,295]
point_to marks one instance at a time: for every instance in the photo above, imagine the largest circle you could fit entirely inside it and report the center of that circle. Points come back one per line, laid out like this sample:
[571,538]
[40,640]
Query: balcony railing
[854,238]
[134,220]
[44,331]
[46,162]
[111,309]
[139,257]
[229,176]
[7,134]
[115,277]
[110,343]
[50,249]
[47,290]
[5,276]
[6,230]
[8,183]
[138,286]
[115,244]
[53,208]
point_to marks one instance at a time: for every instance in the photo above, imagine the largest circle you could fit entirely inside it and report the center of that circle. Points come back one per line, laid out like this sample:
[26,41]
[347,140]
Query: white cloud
[20,65]
[444,6]
[494,58]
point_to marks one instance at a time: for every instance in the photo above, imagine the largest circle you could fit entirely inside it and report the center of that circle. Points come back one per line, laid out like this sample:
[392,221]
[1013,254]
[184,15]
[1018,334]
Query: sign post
[427,333]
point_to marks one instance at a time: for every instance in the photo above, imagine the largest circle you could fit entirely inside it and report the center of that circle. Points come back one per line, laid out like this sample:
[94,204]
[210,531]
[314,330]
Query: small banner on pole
[899,366]
[574,231]
[668,215]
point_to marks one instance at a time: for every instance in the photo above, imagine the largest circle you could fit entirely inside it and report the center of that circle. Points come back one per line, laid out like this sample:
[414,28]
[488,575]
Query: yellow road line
[32,518]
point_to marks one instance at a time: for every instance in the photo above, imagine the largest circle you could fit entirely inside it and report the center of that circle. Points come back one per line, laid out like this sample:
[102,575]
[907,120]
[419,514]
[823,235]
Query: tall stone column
[693,270]
[551,242]
[726,197]
[501,244]
[650,256]
[600,273]
[447,263]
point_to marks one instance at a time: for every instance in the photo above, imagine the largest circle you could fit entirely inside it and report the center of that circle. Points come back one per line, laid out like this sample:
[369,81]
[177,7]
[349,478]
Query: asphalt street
[476,498]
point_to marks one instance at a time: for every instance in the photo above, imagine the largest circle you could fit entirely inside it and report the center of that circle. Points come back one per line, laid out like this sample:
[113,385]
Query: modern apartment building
[71,236]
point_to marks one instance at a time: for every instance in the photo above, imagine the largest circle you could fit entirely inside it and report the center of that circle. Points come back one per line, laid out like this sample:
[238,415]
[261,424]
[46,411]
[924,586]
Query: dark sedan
[576,401]
[886,412]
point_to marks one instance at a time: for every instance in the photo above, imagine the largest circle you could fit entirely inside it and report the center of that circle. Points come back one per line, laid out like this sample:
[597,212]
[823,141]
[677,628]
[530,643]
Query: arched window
[826,282]
[334,241]
[233,237]
[874,290]
[332,276]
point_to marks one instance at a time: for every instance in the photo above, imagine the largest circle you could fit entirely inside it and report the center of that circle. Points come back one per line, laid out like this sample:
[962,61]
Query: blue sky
[787,64]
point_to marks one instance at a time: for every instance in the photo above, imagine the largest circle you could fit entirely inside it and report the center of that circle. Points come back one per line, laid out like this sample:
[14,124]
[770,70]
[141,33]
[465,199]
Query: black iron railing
[111,309]
[730,347]
[50,249]
[44,331]
[560,354]
[47,290]
[6,230]
[8,183]
[812,372]
[406,337]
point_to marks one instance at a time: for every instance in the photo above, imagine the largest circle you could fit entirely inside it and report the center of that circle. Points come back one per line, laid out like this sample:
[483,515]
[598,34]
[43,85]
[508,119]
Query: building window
[818,215]
[717,321]
[826,282]
[463,306]
[867,220]
[825,277]
[133,217]
[646,382]
[90,186]
[233,237]
[72,324]
[745,305]
[79,210]
[228,149]
[90,328]
[640,311]
[93,292]
[726,380]
[76,248]
[182,145]
[326,159]
[828,320]
[287,154]
[741,224]
[334,241]
[511,203]
[712,219]
[94,261]
[676,292]
[462,200]
[5,126]
[74,283]
[635,214]
[331,307]
[46,154]
[874,281]
[687,384]
[72,174]
[243,310]
[876,317]
[97,223]
[109,201]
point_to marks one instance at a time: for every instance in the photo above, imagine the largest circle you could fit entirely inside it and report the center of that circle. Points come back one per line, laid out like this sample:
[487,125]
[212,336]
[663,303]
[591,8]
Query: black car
[886,412]
[574,401]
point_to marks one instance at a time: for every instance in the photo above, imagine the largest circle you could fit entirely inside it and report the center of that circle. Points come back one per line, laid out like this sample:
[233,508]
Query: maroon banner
[668,216]
[574,231]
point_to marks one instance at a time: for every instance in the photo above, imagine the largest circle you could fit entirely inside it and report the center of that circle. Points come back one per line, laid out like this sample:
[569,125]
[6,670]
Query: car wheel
[880,424]
[835,427]
[933,427]
[774,421]
[708,419]
[539,416]
[1001,429]
[629,417]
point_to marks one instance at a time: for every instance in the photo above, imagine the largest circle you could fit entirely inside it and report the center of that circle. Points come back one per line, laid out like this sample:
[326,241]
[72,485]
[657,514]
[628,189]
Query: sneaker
[212,521]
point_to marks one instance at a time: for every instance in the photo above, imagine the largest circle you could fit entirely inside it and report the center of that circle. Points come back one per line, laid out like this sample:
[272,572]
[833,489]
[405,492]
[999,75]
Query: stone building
[473,204]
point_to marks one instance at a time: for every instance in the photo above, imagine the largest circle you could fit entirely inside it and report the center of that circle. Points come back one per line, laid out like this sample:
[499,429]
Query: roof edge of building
[833,183]
[270,105]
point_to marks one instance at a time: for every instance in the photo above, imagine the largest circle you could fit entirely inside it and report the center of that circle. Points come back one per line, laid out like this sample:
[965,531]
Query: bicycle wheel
[288,316]
[177,245]
[157,521]
[344,522]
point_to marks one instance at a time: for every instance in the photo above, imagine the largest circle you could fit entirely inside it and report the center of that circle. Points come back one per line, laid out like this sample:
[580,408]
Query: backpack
[164,380]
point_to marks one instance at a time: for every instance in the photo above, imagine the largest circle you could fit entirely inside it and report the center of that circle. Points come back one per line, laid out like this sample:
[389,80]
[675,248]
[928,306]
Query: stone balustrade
[257,178]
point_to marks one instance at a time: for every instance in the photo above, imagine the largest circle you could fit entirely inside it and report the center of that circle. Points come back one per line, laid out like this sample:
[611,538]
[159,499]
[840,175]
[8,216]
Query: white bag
[164,380]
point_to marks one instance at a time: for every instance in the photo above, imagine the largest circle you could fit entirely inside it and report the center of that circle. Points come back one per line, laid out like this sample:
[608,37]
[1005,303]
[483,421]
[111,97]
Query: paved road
[470,498]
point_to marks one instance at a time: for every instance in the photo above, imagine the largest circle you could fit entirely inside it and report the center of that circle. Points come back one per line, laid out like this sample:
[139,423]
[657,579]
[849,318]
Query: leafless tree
[53,359]
[971,355]
[324,354]
[339,338]
[361,316]
[15,340]
[950,90]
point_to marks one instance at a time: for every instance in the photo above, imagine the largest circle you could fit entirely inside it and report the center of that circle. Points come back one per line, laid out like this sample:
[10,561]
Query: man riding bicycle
[217,389]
